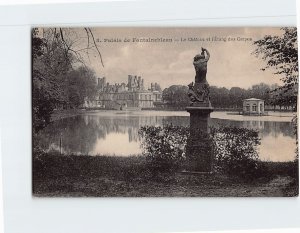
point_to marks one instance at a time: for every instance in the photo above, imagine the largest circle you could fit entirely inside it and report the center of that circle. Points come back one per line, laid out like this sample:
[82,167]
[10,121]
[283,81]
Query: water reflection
[118,134]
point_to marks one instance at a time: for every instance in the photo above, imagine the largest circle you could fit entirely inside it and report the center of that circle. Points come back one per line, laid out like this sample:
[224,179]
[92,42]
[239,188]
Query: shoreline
[273,116]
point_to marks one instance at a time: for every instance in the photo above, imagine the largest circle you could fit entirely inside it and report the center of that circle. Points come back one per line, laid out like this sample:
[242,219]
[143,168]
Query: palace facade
[130,95]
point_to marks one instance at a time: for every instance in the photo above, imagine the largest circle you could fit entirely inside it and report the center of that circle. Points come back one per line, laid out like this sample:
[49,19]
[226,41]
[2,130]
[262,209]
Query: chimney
[129,79]
[129,82]
[142,84]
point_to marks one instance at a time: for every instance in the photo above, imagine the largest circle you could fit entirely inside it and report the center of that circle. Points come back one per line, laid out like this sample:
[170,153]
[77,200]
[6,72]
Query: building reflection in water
[118,134]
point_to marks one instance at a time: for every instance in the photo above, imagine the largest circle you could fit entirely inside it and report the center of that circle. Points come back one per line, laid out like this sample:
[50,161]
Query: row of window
[131,96]
[254,108]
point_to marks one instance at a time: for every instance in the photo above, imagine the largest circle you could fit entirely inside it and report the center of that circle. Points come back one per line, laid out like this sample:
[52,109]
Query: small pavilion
[253,106]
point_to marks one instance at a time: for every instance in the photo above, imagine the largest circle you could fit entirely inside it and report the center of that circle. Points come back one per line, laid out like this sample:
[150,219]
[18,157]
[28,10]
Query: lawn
[112,176]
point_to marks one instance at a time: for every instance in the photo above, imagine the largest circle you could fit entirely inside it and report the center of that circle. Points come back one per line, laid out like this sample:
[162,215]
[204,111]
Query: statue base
[199,145]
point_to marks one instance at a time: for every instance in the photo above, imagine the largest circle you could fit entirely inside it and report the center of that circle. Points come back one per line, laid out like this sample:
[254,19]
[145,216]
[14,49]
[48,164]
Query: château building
[120,96]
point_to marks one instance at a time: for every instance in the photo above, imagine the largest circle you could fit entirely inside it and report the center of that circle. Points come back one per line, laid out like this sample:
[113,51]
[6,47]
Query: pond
[116,132]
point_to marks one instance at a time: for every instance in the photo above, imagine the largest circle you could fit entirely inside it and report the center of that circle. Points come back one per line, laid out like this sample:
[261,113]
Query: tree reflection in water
[100,134]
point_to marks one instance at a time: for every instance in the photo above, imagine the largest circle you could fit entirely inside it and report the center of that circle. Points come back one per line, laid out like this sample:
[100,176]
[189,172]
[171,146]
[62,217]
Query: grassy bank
[105,176]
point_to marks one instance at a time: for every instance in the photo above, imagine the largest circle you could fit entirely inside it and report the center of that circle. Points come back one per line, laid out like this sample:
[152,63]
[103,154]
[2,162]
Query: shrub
[235,151]
[163,147]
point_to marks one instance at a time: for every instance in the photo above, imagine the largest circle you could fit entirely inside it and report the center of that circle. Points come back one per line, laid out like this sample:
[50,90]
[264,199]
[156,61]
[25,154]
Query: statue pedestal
[199,145]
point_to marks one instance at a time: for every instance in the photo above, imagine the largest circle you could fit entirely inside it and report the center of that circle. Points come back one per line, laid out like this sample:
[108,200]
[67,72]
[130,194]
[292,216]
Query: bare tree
[68,37]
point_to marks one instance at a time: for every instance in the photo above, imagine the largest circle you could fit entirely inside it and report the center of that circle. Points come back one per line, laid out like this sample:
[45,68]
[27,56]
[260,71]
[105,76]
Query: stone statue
[191,93]
[199,93]
[199,148]
[200,64]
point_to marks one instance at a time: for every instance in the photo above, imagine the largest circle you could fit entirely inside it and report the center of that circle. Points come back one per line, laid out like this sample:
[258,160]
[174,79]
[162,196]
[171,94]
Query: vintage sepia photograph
[164,112]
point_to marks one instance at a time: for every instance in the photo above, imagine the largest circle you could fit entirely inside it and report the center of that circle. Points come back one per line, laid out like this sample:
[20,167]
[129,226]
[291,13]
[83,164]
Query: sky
[171,63]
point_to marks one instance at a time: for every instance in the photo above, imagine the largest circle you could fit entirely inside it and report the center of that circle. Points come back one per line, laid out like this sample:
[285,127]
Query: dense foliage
[281,53]
[164,147]
[234,153]
[56,83]
[176,96]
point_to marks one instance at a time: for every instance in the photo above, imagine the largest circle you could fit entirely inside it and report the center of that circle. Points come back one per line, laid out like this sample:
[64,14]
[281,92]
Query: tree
[281,53]
[47,69]
[236,95]
[70,38]
[219,97]
[54,57]
[81,84]
[176,96]
[260,91]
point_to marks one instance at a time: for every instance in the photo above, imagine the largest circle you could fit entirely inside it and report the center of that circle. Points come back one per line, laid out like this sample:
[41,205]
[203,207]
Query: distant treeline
[175,96]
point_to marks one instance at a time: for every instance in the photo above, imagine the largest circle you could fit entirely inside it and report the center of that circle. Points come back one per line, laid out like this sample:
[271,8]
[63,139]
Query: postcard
[164,112]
